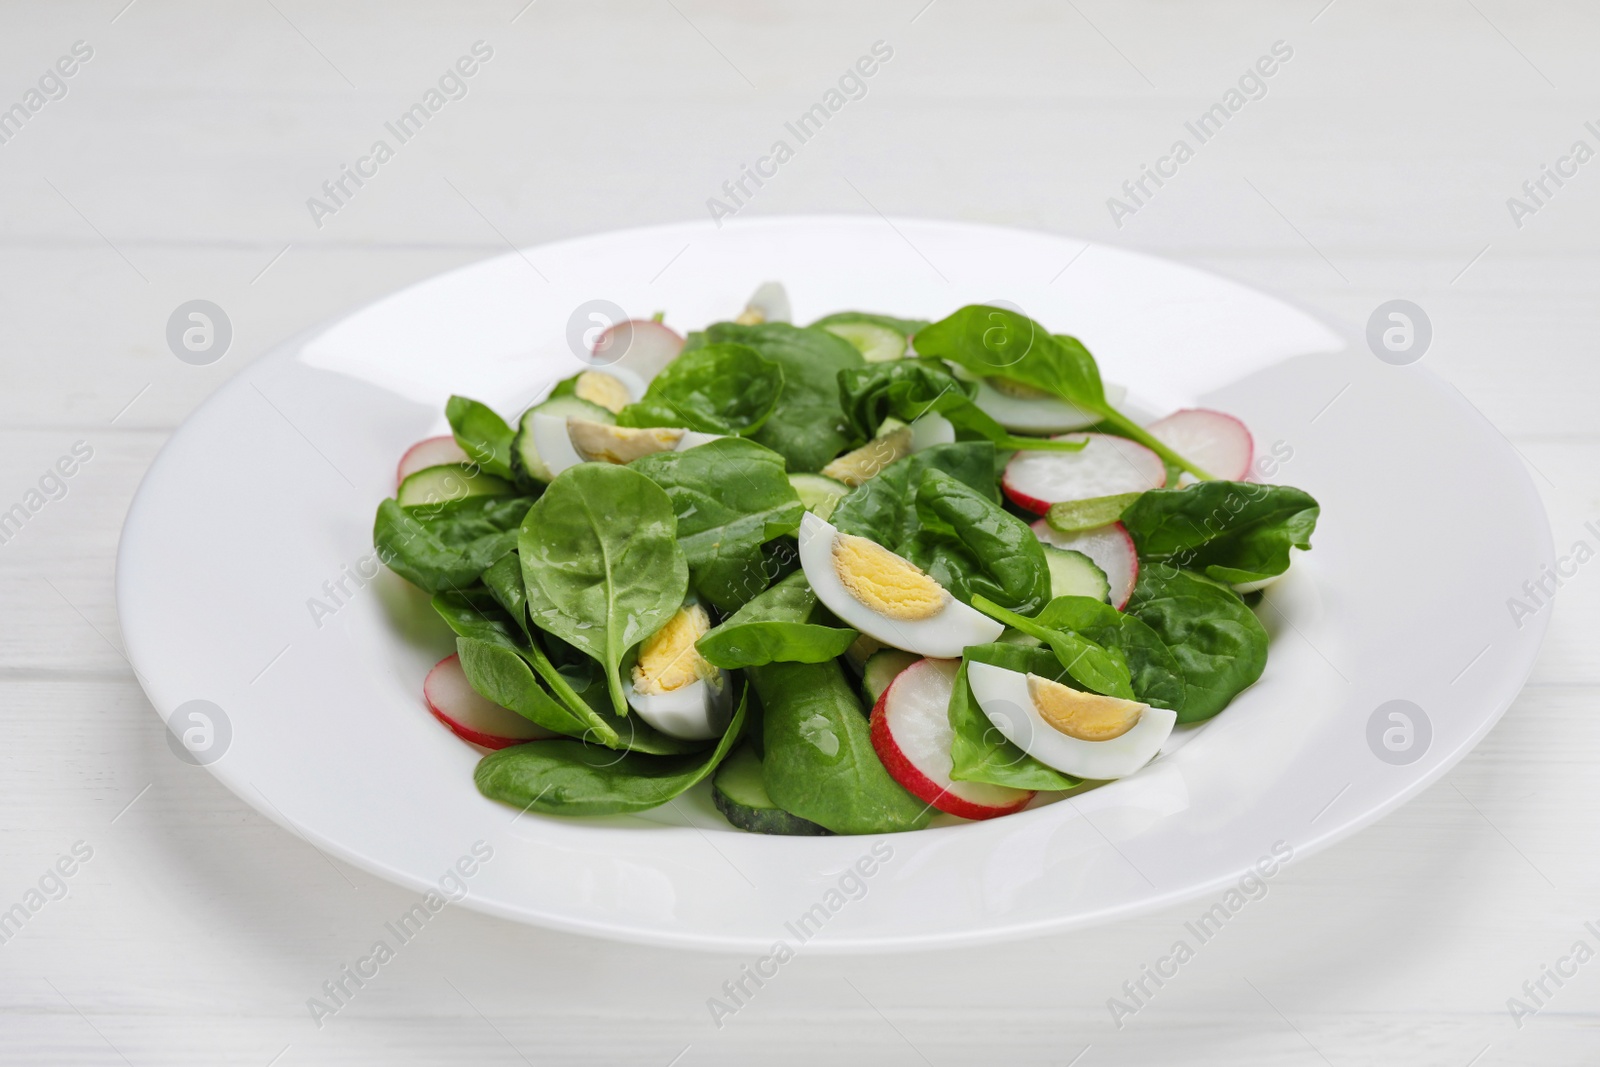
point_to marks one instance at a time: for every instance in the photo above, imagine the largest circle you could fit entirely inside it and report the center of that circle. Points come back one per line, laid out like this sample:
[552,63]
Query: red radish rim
[461,729]
[1249,439]
[636,325]
[918,784]
[1038,506]
[400,472]
[1054,537]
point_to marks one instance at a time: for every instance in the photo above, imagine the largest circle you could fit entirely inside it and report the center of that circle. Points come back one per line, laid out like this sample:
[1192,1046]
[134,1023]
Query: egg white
[931,429]
[692,438]
[1044,414]
[1004,697]
[553,443]
[694,712]
[941,636]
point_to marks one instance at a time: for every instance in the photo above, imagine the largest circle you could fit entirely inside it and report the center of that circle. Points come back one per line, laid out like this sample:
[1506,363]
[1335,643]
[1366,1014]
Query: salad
[856,573]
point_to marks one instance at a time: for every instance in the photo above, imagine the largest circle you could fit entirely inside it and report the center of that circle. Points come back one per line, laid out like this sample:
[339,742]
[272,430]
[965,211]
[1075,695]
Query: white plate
[267,492]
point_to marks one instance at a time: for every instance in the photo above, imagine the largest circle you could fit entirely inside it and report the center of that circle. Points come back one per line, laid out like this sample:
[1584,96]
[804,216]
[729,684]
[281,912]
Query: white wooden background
[177,166]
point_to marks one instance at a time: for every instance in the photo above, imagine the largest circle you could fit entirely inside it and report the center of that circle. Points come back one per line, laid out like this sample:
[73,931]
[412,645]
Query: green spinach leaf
[908,389]
[884,507]
[807,428]
[972,546]
[578,688]
[1154,673]
[819,762]
[730,498]
[438,548]
[1101,669]
[979,752]
[1230,531]
[996,342]
[722,388]
[1217,641]
[601,563]
[776,626]
[498,673]
[572,778]
[482,434]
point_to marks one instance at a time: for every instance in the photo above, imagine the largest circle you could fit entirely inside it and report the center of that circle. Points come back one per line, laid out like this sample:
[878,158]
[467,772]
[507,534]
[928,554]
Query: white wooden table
[178,165]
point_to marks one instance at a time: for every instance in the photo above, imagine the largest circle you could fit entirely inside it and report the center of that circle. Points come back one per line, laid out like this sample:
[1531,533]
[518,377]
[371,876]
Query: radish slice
[434,452]
[1110,547]
[469,715]
[1107,465]
[912,736]
[1218,444]
[642,346]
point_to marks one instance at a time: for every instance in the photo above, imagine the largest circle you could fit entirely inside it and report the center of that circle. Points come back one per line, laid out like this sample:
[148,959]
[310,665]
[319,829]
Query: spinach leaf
[504,583]
[903,327]
[479,622]
[730,498]
[482,434]
[972,546]
[884,507]
[572,778]
[1154,673]
[908,389]
[601,563]
[807,428]
[1218,643]
[1101,669]
[819,762]
[438,548]
[979,752]
[723,388]
[498,673]
[487,635]
[1230,531]
[776,626]
[993,341]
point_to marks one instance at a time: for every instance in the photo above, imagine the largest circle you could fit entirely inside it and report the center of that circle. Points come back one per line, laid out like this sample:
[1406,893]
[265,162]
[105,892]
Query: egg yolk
[607,390]
[1086,716]
[619,444]
[853,468]
[892,587]
[668,659]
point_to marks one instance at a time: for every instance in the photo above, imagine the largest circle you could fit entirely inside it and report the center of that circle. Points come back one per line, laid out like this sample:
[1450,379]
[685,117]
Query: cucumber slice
[524,456]
[740,794]
[1071,516]
[1074,574]
[447,484]
[818,493]
[881,668]
[861,649]
[877,344]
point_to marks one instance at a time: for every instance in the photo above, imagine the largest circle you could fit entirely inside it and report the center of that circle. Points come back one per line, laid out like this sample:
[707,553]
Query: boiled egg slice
[930,430]
[1024,409]
[671,685]
[554,445]
[566,442]
[886,596]
[694,438]
[613,388]
[1082,734]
